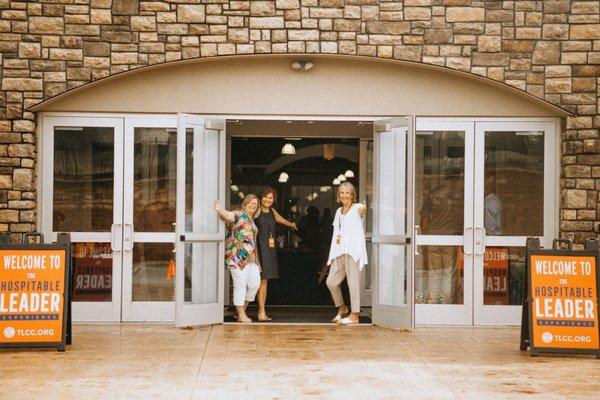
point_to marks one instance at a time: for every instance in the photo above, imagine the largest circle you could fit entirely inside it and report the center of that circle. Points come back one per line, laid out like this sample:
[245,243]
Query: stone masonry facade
[550,49]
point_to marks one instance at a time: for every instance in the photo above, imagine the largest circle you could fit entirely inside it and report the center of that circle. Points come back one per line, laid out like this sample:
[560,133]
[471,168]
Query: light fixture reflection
[341,177]
[235,188]
[349,174]
[336,181]
[288,148]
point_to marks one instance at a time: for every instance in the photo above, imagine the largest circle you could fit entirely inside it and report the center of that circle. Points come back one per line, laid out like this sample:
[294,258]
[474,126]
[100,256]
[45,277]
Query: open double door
[199,277]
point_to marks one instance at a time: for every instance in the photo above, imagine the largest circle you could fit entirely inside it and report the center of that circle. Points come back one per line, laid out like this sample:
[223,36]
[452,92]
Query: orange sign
[32,287]
[495,276]
[564,302]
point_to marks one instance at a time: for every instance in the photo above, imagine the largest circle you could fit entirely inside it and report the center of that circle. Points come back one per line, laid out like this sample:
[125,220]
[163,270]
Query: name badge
[338,239]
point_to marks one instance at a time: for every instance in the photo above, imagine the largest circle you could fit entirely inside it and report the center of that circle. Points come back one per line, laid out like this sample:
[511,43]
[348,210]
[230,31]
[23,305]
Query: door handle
[128,237]
[415,229]
[480,240]
[113,248]
[468,241]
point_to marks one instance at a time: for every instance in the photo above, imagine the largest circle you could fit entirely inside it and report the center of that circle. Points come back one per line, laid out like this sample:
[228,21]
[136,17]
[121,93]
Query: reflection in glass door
[149,218]
[443,214]
[82,194]
[481,188]
[513,199]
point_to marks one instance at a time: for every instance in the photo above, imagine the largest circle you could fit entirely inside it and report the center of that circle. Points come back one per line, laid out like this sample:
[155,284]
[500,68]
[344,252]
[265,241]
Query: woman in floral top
[240,253]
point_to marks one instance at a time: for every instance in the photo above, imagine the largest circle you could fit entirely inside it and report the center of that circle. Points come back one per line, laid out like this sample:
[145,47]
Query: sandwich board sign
[34,280]
[561,307]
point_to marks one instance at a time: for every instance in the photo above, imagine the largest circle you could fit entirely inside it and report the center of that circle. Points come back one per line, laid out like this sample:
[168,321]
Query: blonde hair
[348,186]
[247,200]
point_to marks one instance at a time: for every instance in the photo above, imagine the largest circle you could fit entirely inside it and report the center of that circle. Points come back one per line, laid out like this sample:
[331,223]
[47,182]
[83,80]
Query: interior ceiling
[252,156]
[300,128]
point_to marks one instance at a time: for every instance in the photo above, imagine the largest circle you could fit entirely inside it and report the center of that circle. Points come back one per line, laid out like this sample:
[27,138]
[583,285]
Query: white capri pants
[245,283]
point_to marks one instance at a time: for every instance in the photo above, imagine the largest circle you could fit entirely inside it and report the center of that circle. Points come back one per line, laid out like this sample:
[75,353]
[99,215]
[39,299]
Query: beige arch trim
[341,151]
[140,90]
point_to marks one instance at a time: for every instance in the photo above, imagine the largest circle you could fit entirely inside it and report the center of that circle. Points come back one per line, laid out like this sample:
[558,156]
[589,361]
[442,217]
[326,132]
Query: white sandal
[347,321]
[337,319]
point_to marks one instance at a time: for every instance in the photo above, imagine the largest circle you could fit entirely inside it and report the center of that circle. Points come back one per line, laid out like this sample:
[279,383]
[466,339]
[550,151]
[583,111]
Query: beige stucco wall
[266,85]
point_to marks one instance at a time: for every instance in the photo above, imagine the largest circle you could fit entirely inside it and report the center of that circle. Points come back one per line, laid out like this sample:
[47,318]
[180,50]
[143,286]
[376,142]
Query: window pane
[439,275]
[439,186]
[153,272]
[514,184]
[503,276]
[92,272]
[83,179]
[155,173]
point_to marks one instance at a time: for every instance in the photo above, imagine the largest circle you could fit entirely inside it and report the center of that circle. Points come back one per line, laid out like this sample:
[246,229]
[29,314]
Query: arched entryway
[124,128]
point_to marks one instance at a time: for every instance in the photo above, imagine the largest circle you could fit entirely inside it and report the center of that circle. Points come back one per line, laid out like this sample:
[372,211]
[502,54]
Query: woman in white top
[348,253]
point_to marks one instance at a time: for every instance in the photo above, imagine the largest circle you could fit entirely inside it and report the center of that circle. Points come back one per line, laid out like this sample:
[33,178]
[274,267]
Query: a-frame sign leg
[532,244]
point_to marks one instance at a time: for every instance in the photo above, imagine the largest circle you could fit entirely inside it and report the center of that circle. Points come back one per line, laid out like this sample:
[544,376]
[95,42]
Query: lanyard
[342,216]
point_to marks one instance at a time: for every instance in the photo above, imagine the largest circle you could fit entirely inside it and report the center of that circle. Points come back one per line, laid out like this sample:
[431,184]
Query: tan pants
[344,267]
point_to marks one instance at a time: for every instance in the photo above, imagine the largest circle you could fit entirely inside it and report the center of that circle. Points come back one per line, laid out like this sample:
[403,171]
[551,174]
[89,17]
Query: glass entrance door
[150,179]
[513,199]
[111,183]
[444,220]
[392,299]
[200,243]
[82,193]
[481,189]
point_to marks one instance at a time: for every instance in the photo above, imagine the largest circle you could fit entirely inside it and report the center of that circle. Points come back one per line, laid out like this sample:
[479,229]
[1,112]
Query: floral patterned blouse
[240,246]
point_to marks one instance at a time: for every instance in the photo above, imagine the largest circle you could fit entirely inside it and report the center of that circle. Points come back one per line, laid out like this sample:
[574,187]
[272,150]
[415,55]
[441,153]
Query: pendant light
[289,149]
[283,177]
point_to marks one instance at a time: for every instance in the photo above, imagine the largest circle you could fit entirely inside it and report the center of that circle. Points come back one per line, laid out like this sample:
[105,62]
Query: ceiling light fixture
[341,177]
[349,174]
[336,181]
[283,177]
[288,148]
[302,66]
[235,188]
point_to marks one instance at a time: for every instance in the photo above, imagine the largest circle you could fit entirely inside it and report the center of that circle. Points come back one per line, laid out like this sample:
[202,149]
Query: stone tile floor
[130,361]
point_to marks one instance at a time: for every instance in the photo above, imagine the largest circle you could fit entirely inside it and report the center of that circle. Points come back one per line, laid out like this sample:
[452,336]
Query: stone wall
[550,49]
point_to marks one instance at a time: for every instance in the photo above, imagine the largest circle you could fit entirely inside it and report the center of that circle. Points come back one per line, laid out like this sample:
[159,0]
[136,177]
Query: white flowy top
[350,228]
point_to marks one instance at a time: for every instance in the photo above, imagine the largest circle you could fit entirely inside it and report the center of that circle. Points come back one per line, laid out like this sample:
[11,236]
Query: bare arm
[227,216]
[280,220]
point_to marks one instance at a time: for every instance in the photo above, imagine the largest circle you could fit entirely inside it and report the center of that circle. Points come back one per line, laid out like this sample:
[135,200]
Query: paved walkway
[293,362]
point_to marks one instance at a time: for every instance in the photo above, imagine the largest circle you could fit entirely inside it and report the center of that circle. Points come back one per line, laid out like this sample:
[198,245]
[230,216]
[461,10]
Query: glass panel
[92,272]
[514,184]
[439,275]
[503,276]
[370,186]
[153,272]
[155,170]
[201,180]
[201,273]
[391,264]
[83,179]
[439,186]
[392,183]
